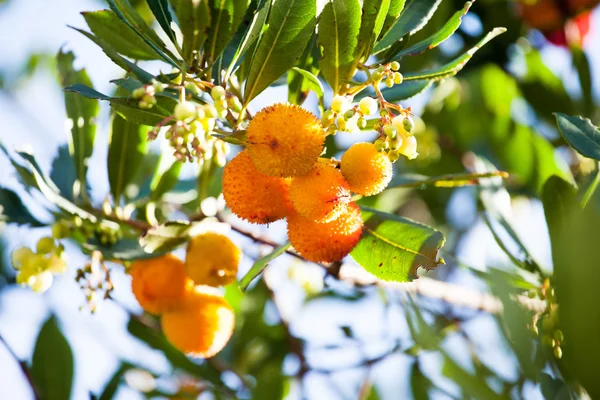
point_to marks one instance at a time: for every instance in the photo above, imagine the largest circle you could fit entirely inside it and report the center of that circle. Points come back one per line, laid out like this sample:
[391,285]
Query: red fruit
[574,31]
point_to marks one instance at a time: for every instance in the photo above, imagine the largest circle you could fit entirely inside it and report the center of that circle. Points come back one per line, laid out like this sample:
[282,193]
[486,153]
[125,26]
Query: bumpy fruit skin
[285,140]
[366,170]
[326,242]
[159,284]
[212,259]
[322,194]
[252,195]
[202,326]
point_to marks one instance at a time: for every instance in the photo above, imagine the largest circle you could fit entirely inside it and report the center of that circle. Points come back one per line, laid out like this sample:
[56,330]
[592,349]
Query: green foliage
[290,26]
[127,146]
[194,20]
[392,248]
[260,264]
[339,25]
[581,134]
[14,211]
[52,363]
[106,25]
[81,114]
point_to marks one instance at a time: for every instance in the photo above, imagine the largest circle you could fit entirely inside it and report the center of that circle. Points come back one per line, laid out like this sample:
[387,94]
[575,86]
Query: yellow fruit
[252,195]
[326,242]
[285,140]
[366,170]
[212,259]
[159,284]
[322,194]
[202,326]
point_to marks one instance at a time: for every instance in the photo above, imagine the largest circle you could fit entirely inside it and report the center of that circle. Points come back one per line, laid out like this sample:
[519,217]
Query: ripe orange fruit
[202,326]
[252,195]
[366,170]
[159,284]
[326,242]
[212,259]
[322,194]
[285,140]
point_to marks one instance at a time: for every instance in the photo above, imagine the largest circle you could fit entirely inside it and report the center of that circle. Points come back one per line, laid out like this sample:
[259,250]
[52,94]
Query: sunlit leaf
[160,9]
[339,27]
[12,209]
[415,15]
[194,20]
[374,13]
[260,264]
[453,67]
[106,25]
[290,26]
[392,247]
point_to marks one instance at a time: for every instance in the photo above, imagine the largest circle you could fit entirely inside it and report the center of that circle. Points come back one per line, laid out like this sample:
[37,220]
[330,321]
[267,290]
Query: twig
[23,366]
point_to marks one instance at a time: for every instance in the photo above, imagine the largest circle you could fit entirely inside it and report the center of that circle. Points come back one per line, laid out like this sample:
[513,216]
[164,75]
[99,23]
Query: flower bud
[409,147]
[361,123]
[339,103]
[390,131]
[45,245]
[217,92]
[395,65]
[185,111]
[408,124]
[368,106]
[389,82]
[138,93]
[398,78]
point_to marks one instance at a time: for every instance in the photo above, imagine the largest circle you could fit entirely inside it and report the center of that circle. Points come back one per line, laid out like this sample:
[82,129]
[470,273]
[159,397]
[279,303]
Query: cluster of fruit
[191,135]
[280,175]
[195,317]
[37,269]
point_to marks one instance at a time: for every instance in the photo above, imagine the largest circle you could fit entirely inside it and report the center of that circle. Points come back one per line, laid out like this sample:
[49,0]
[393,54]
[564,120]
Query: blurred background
[300,332]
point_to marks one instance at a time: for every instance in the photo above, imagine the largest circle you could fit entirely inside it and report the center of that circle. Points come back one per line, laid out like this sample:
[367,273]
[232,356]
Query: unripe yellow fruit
[252,195]
[212,259]
[285,140]
[202,326]
[322,194]
[409,147]
[326,242]
[366,170]
[159,284]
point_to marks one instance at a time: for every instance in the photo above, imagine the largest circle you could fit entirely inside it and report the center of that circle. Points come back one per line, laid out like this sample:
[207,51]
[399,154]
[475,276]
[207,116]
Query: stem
[591,189]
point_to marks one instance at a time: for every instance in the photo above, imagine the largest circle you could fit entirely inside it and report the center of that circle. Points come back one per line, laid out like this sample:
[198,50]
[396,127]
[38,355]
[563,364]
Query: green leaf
[165,237]
[13,210]
[63,172]
[81,119]
[106,25]
[415,16]
[392,248]
[116,57]
[440,36]
[260,264]
[165,177]
[453,67]
[300,86]
[132,113]
[581,134]
[374,13]
[128,14]
[397,93]
[50,191]
[226,16]
[396,7]
[160,9]
[339,27]
[112,386]
[444,181]
[194,20]
[576,279]
[290,26]
[582,65]
[52,362]
[311,81]
[254,30]
[86,91]
[127,145]
[123,250]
